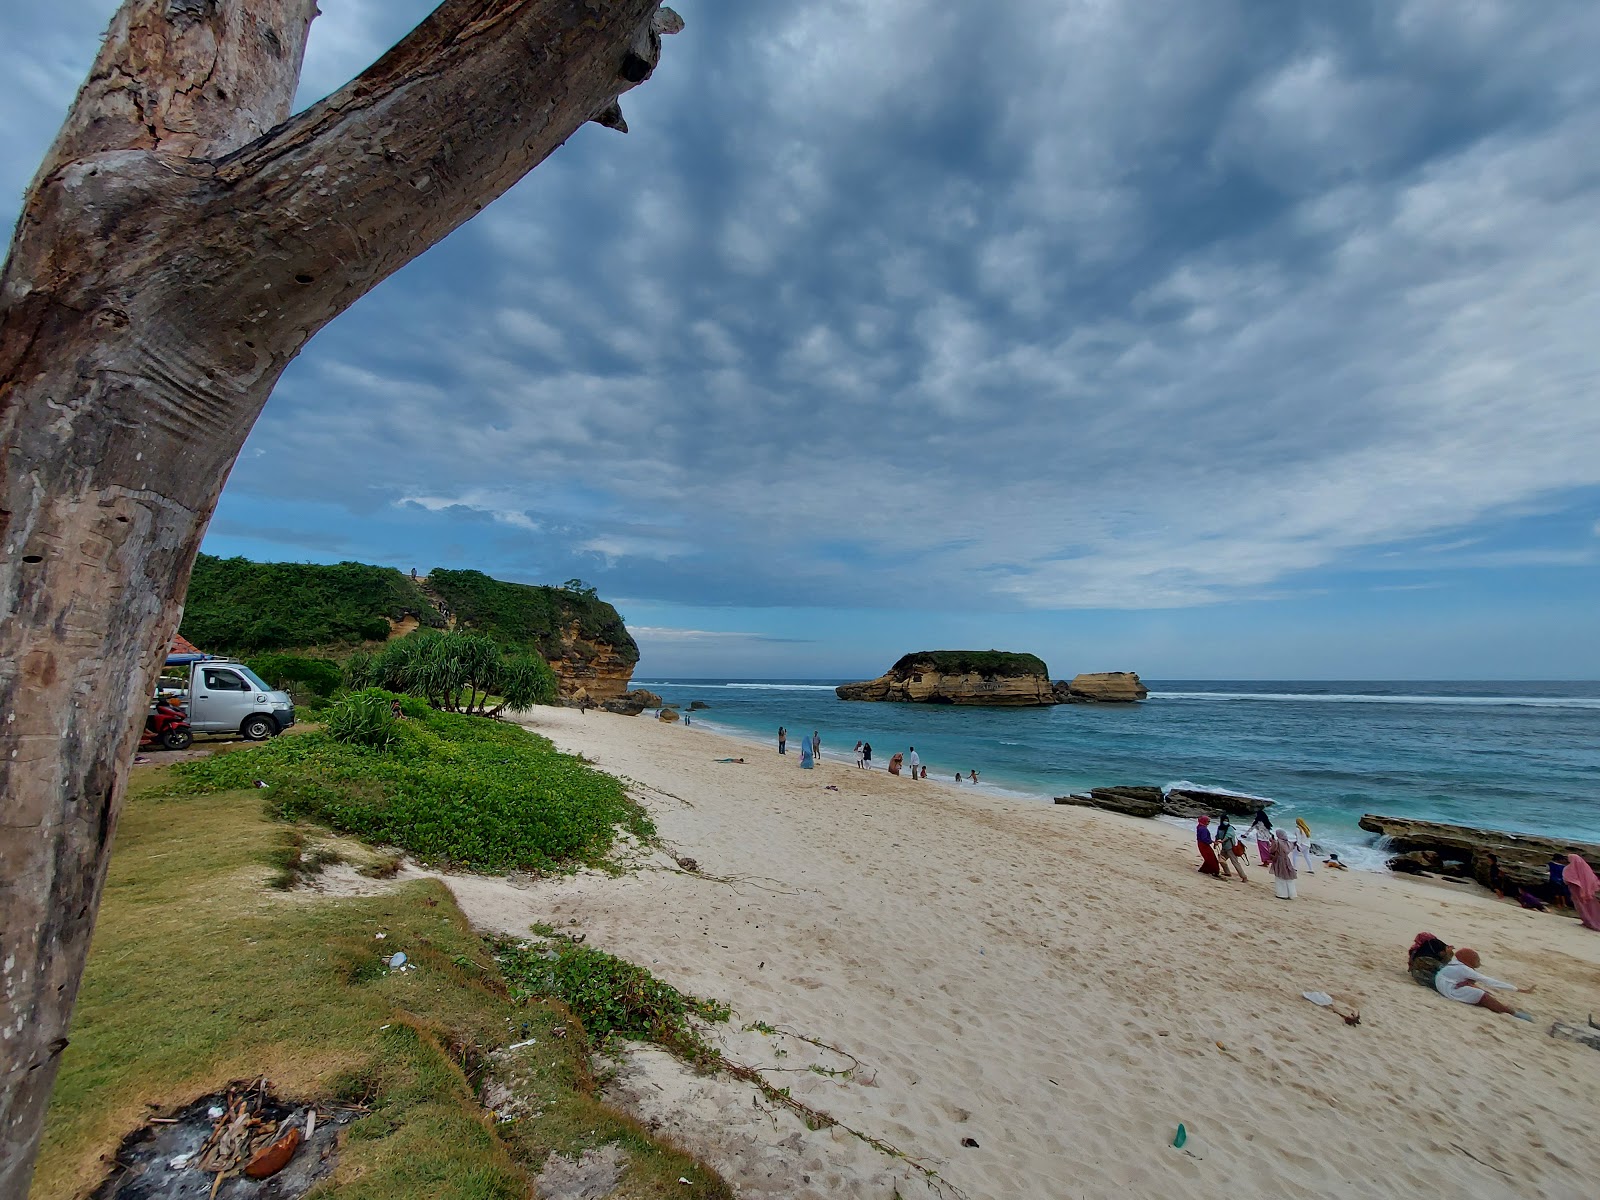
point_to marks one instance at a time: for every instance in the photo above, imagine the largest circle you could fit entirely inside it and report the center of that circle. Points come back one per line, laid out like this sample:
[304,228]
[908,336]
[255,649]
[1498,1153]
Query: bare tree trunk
[180,244]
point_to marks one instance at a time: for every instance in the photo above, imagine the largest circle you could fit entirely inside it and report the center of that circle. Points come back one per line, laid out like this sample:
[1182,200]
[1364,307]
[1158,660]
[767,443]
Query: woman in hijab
[1283,872]
[805,754]
[1261,827]
[1208,856]
[1584,889]
[1228,848]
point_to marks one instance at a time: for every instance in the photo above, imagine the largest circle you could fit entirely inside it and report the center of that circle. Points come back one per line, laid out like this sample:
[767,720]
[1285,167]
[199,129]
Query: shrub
[448,789]
[456,672]
[317,674]
[363,718]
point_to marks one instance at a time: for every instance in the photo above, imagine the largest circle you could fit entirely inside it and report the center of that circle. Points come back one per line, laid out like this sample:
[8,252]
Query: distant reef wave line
[760,687]
[1360,698]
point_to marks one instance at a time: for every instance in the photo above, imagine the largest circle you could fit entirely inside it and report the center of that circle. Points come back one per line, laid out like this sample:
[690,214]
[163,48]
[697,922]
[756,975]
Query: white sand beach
[1060,987]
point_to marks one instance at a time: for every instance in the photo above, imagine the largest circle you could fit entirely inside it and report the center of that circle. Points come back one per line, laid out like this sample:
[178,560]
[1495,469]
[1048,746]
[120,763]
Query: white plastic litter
[397,960]
[1321,998]
[214,1112]
[179,1163]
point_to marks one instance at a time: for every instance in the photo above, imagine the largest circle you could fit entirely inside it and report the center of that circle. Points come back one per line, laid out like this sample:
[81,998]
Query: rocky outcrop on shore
[994,678]
[596,666]
[1463,851]
[1143,801]
[1103,687]
[629,704]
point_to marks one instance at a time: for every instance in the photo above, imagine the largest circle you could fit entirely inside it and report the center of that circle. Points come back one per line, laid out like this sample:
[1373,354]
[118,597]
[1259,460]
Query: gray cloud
[1020,305]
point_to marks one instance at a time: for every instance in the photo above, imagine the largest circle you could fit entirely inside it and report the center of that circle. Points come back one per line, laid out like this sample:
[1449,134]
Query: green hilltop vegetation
[972,662]
[529,616]
[236,606]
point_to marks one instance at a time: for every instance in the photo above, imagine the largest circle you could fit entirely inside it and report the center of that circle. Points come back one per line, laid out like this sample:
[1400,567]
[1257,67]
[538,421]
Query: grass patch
[611,997]
[200,975]
[451,790]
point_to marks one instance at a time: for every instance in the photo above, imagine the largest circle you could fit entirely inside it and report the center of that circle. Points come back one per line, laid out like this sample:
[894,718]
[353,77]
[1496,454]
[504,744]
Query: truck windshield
[252,677]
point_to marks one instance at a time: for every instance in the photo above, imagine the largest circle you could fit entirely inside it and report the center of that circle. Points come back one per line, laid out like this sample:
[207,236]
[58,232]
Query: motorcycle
[166,726]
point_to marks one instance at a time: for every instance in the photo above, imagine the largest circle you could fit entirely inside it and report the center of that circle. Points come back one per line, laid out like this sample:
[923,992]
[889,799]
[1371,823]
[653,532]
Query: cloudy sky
[1207,338]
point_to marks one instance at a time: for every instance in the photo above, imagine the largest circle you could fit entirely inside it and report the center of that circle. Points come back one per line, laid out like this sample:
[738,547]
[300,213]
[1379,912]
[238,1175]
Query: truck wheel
[258,728]
[177,739]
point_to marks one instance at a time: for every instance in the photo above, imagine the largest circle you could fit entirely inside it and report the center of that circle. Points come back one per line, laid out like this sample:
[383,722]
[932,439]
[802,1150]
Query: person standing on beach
[805,755]
[816,745]
[1261,828]
[894,763]
[1228,853]
[916,763]
[1583,889]
[1208,856]
[860,762]
[1302,843]
[974,776]
[1559,896]
[1283,872]
[783,739]
[866,755]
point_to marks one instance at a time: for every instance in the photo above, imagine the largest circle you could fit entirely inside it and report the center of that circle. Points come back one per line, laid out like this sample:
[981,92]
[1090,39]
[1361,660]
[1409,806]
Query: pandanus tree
[456,672]
[183,240]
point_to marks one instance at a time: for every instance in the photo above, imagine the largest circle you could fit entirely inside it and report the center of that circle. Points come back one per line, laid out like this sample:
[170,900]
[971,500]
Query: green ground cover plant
[612,997]
[451,790]
[201,975]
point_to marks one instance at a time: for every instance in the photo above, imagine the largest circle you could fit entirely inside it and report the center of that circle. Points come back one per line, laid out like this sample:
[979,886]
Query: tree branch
[471,101]
[193,78]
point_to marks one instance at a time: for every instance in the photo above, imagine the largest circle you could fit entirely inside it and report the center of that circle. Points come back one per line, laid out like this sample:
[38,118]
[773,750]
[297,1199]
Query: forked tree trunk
[181,243]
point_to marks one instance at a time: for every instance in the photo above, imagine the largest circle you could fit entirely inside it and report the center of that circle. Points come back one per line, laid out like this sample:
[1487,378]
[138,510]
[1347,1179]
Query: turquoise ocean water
[1516,756]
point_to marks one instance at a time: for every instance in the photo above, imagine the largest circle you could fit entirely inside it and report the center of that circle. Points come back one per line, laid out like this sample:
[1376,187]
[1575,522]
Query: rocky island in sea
[992,678]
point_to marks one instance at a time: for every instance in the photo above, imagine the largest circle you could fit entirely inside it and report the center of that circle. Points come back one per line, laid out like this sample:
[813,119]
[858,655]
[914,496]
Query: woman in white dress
[1283,872]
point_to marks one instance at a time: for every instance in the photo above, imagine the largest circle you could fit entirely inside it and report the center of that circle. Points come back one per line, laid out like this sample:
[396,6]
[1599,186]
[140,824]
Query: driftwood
[1589,1037]
[182,241]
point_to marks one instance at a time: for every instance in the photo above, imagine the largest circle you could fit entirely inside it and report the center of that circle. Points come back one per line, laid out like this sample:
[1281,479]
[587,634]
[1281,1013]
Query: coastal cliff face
[991,678]
[597,668]
[1103,687]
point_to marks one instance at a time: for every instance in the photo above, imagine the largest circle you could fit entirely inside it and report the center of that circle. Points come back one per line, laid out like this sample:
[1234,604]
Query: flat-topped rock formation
[995,678]
[1103,687]
[1141,801]
[1461,850]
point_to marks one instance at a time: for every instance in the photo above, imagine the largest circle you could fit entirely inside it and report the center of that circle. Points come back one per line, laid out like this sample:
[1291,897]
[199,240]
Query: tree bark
[180,244]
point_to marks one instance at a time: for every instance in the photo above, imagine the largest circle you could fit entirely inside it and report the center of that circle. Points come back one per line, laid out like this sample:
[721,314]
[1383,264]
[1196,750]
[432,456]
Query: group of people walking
[1223,853]
[909,763]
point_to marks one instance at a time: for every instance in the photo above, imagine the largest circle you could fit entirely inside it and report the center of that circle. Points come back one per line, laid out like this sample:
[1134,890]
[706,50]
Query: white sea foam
[760,687]
[1583,702]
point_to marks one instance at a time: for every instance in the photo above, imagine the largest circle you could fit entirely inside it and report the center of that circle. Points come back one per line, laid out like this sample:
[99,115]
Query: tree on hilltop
[183,240]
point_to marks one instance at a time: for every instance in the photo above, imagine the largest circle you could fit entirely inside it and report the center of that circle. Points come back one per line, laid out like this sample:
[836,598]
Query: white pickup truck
[226,696]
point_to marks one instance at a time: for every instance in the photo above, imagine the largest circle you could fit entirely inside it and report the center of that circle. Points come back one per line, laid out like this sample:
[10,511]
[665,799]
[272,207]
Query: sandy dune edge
[1062,988]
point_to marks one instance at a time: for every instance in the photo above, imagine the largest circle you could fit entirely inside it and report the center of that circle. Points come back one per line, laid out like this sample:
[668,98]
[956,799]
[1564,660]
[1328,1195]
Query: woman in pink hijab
[1584,889]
